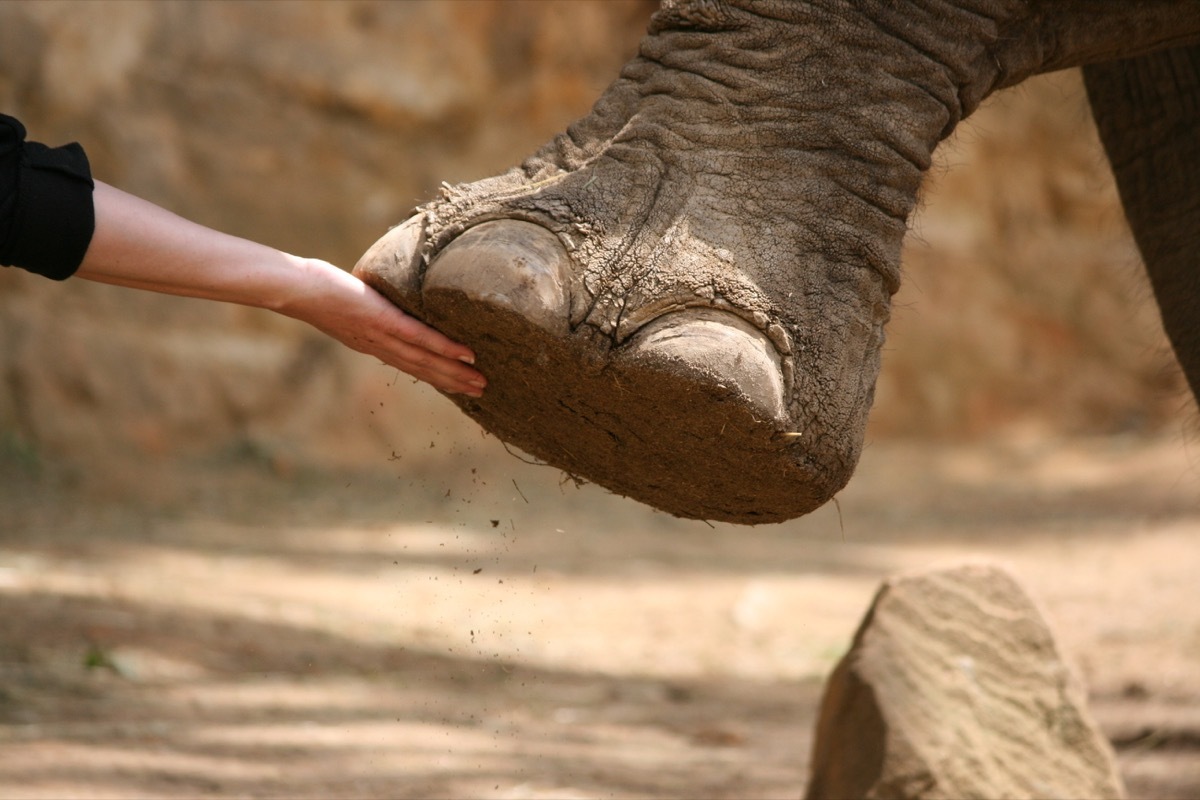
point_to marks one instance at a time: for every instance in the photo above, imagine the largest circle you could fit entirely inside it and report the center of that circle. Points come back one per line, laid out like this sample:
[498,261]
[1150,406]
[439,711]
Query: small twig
[841,523]
[575,479]
[1150,740]
[504,444]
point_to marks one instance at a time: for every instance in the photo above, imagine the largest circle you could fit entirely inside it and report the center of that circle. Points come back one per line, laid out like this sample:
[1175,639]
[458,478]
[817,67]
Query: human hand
[340,305]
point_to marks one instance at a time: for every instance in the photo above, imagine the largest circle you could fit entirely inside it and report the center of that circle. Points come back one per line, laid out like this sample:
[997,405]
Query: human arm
[140,245]
[56,221]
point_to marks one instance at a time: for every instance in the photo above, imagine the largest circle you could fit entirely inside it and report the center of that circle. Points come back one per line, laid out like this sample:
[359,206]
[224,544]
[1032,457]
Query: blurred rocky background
[314,126]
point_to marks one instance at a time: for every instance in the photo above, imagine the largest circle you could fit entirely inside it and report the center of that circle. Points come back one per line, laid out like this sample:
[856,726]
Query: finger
[448,374]
[427,362]
[421,351]
[416,333]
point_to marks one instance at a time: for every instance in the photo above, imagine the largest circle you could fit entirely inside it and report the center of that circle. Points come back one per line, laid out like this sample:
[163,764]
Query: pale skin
[143,246]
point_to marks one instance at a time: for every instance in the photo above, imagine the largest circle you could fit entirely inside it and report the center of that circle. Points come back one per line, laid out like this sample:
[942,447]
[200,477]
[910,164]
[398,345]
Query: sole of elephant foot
[687,415]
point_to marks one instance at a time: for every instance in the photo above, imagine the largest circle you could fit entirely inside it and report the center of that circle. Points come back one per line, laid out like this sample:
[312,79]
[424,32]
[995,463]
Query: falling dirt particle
[495,523]
[477,571]
[717,737]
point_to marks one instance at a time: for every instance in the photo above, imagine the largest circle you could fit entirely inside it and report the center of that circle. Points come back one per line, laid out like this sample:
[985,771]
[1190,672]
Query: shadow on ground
[500,633]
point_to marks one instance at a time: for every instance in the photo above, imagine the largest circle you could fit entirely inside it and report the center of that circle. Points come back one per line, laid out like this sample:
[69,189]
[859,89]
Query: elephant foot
[688,415]
[677,299]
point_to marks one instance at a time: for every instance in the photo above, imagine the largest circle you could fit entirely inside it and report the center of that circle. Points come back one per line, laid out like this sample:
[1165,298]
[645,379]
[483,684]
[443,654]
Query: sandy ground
[500,634]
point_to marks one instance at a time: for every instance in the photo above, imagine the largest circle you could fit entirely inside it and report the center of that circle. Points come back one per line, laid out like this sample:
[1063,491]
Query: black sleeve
[46,212]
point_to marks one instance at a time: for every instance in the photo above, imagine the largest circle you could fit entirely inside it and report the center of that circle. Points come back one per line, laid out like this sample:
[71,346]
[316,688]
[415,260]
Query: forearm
[140,245]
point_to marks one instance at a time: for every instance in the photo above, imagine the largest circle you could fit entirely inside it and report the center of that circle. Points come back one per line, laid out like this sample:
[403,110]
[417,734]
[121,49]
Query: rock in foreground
[954,688]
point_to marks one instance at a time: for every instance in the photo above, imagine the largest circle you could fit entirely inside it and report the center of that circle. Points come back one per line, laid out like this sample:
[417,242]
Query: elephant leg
[1148,112]
[682,298]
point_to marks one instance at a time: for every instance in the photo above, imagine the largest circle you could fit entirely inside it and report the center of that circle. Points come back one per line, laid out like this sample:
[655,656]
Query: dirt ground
[242,631]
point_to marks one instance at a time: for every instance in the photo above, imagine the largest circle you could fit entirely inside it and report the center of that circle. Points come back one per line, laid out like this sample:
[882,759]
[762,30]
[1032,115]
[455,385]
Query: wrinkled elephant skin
[683,297]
